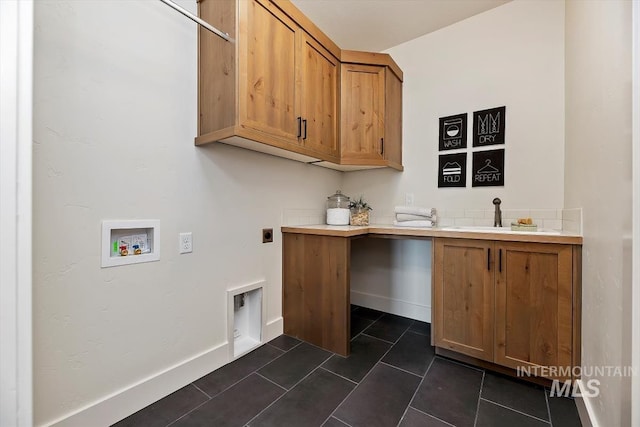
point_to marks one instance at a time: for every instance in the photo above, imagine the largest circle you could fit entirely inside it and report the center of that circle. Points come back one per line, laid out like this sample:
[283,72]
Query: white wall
[512,55]
[393,276]
[598,178]
[16,67]
[115,117]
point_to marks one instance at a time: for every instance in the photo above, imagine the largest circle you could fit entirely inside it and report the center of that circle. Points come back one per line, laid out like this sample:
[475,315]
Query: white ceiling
[377,25]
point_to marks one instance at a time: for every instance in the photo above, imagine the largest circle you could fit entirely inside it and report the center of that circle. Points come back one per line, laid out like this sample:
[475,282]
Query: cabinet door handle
[299,127]
[489,259]
[304,122]
[381,145]
[500,261]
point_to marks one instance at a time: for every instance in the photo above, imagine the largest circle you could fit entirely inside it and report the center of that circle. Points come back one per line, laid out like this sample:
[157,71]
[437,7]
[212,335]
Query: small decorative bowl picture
[359,212]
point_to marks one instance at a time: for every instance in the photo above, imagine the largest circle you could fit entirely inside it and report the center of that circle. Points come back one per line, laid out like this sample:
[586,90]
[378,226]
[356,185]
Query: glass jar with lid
[338,209]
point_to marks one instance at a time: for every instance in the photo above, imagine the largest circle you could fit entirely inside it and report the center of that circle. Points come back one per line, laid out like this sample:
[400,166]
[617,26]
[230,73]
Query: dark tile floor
[391,378]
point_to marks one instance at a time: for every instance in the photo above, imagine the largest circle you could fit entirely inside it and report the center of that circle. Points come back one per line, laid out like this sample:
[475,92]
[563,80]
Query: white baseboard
[125,402]
[585,408]
[393,306]
[274,329]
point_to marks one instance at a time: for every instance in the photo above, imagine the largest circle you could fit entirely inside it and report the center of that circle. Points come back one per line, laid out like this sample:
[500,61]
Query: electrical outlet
[267,235]
[185,243]
[408,199]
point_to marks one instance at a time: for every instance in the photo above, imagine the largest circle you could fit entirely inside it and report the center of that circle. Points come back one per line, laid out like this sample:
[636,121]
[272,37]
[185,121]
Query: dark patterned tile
[380,399]
[167,409]
[359,324]
[235,406]
[450,391]
[367,313]
[415,418]
[365,353]
[492,415]
[222,378]
[564,412]
[333,422]
[285,342]
[515,394]
[295,365]
[419,327]
[412,352]
[389,327]
[311,401]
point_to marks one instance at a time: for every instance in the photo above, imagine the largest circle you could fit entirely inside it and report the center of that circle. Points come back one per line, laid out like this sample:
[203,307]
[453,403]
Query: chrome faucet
[497,218]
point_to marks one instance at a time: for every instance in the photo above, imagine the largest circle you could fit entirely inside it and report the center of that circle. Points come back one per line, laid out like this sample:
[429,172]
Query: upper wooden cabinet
[319,98]
[269,95]
[276,87]
[371,110]
[362,128]
[513,304]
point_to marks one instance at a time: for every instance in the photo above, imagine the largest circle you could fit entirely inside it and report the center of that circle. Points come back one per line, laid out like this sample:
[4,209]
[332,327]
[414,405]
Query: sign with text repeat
[488,169]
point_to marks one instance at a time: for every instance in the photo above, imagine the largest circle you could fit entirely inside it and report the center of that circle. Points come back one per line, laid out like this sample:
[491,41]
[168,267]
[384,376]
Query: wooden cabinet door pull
[489,259]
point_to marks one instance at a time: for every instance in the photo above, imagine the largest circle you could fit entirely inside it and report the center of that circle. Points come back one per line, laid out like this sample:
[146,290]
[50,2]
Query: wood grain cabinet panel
[362,128]
[393,120]
[371,112]
[269,89]
[464,297]
[315,287]
[276,88]
[534,318]
[319,98]
[513,304]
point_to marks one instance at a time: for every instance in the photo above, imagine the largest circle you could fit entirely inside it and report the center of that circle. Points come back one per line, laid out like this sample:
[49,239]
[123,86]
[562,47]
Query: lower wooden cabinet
[509,303]
[315,290]
[464,297]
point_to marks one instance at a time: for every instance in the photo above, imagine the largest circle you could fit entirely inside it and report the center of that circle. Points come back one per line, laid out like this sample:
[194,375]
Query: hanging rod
[197,20]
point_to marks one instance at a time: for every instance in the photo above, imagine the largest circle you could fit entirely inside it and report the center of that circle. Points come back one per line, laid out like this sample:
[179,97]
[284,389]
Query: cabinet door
[319,99]
[362,110]
[268,71]
[464,296]
[315,290]
[392,147]
[534,305]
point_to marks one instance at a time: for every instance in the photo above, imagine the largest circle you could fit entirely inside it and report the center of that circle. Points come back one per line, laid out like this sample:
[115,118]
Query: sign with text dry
[488,127]
[453,132]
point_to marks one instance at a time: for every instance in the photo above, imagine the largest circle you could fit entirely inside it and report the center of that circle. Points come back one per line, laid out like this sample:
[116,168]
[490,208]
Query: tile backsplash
[303,216]
[567,220]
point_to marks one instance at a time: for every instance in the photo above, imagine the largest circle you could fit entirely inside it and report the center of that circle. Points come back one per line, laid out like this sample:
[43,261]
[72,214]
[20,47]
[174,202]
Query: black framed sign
[453,132]
[488,168]
[488,126]
[452,170]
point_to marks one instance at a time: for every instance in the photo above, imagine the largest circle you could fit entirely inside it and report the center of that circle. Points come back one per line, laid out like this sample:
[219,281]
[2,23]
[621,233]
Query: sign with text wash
[453,132]
[452,170]
[488,126]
